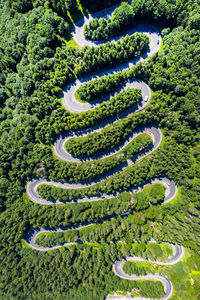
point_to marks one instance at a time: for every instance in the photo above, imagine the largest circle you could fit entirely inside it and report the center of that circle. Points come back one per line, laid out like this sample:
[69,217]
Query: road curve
[69,100]
[59,145]
[31,238]
[33,185]
[73,105]
[118,265]
[168,288]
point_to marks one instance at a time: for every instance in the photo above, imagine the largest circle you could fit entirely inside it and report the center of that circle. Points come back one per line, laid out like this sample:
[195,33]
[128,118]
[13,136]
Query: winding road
[59,145]
[170,192]
[32,186]
[168,288]
[73,105]
[69,100]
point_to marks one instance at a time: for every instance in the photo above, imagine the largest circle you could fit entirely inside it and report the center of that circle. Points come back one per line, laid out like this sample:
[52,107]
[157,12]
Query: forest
[99,88]
[103,29]
[38,59]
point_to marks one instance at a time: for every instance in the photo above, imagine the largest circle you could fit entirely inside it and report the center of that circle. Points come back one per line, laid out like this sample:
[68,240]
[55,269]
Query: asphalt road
[32,186]
[73,105]
[156,135]
[168,288]
[69,100]
[59,144]
[118,265]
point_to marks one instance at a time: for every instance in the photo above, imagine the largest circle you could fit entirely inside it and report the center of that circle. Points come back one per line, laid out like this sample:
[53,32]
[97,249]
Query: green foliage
[102,29]
[35,67]
[65,171]
[96,5]
[108,138]
[195,21]
[98,88]
[150,195]
[21,6]
[112,54]
[125,196]
[71,5]
[98,142]
[184,275]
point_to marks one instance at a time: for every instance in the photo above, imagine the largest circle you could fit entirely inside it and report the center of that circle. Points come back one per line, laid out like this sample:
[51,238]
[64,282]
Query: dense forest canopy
[37,61]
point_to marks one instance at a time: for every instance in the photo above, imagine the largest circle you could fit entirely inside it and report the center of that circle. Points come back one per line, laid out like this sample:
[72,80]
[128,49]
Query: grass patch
[121,293]
[25,245]
[175,199]
[72,43]
[161,47]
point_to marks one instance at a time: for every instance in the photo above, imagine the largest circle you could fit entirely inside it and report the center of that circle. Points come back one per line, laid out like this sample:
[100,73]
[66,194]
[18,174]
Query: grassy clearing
[161,47]
[176,198]
[185,277]
[121,293]
[72,43]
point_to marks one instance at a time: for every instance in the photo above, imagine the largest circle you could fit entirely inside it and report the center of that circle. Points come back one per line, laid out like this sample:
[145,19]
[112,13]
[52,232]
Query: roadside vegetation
[83,147]
[110,230]
[103,29]
[110,54]
[186,272]
[36,65]
[107,139]
[99,88]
